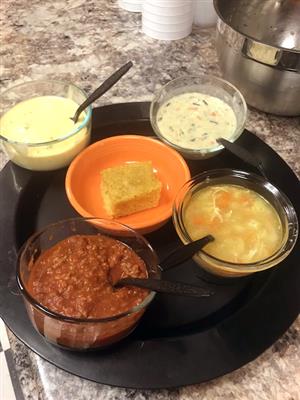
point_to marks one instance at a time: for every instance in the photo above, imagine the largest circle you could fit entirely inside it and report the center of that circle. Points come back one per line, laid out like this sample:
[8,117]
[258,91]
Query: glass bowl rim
[256,266]
[205,150]
[33,302]
[61,138]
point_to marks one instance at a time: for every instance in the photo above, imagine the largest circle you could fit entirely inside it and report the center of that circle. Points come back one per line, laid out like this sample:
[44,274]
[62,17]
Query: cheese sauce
[40,120]
[245,225]
[195,120]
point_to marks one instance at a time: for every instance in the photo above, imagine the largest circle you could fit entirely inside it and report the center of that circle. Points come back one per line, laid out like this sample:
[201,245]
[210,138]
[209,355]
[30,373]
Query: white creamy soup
[195,120]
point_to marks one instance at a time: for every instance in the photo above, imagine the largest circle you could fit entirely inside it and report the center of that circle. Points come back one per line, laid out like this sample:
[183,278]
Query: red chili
[72,277]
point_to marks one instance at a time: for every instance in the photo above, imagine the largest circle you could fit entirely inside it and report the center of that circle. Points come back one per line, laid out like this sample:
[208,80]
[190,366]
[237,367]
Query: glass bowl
[204,84]
[273,195]
[51,154]
[82,333]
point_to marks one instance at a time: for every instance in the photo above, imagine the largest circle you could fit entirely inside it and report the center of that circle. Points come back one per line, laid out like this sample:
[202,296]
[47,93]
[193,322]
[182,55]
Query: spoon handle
[185,252]
[103,88]
[243,154]
[163,286]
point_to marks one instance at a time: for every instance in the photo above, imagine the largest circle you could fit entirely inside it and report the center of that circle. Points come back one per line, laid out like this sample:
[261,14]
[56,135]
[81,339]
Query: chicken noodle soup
[195,120]
[246,227]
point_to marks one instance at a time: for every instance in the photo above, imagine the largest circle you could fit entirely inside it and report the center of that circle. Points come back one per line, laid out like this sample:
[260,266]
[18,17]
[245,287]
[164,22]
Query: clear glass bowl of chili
[69,321]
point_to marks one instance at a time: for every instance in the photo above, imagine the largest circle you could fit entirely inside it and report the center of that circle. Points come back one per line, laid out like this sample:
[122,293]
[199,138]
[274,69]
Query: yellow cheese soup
[195,120]
[40,120]
[245,225]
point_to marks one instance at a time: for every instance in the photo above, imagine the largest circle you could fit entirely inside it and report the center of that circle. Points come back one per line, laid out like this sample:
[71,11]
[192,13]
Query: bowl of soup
[36,129]
[191,113]
[254,224]
[66,272]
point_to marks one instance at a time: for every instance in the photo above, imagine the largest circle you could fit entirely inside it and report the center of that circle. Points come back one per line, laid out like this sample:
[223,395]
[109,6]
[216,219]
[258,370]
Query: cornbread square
[129,188]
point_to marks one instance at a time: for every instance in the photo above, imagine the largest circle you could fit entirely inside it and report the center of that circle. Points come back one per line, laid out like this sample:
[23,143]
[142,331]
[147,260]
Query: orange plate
[83,177]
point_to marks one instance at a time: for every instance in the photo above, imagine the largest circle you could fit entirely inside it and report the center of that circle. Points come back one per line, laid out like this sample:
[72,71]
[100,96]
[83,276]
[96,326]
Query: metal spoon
[176,257]
[103,88]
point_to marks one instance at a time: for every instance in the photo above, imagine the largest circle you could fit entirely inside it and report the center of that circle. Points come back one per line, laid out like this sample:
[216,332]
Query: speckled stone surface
[83,41]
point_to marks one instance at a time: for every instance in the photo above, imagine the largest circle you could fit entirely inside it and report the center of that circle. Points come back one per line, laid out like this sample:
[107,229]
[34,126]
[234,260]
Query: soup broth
[245,225]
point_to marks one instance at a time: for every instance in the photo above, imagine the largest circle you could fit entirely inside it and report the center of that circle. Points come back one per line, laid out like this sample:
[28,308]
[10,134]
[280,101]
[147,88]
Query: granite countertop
[83,41]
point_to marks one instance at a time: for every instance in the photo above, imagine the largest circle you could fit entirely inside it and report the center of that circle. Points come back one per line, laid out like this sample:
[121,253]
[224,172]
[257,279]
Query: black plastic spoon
[183,253]
[243,154]
[178,256]
[103,88]
[164,286]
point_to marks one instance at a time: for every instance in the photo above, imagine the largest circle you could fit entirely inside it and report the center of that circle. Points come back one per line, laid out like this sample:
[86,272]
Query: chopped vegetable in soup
[195,120]
[245,225]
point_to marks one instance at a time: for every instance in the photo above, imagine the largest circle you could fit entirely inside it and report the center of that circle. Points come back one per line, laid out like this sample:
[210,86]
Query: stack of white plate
[167,19]
[131,5]
[204,13]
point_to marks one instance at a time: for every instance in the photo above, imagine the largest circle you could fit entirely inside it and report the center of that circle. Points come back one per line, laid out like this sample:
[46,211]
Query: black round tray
[180,340]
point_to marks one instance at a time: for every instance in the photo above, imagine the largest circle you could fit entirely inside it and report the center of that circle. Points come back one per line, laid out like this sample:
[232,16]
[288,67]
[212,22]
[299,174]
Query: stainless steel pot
[258,45]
